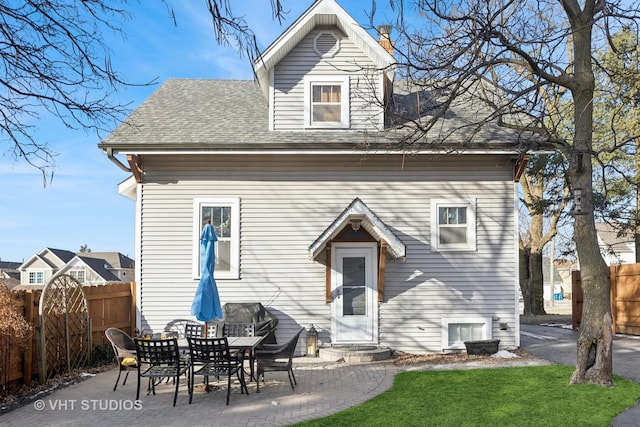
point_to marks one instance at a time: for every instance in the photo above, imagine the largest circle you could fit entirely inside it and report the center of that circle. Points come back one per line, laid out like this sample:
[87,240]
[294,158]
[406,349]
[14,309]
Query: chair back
[290,346]
[239,329]
[210,351]
[212,330]
[195,330]
[158,352]
[122,343]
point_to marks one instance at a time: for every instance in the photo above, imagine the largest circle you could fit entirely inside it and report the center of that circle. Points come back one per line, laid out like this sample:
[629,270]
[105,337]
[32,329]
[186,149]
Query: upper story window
[224,215]
[36,277]
[453,225]
[327,102]
[79,275]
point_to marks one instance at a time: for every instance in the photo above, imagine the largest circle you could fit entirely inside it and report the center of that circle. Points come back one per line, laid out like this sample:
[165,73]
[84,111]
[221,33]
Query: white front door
[354,287]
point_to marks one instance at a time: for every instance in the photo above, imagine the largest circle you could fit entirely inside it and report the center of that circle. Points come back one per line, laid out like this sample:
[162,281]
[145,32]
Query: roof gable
[359,213]
[321,13]
[98,265]
[61,255]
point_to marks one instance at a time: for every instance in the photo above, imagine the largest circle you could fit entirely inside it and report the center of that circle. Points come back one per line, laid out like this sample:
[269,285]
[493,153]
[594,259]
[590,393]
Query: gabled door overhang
[358,216]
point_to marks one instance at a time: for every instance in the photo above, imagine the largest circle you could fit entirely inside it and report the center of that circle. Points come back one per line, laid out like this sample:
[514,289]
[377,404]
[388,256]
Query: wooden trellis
[64,340]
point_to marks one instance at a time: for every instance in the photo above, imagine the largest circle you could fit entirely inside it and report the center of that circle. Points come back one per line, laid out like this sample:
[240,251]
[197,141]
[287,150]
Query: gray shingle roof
[193,114]
[100,266]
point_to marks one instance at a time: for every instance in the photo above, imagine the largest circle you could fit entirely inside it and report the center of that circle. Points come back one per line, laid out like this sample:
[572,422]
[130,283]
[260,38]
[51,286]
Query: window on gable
[36,277]
[79,275]
[224,215]
[327,102]
[453,225]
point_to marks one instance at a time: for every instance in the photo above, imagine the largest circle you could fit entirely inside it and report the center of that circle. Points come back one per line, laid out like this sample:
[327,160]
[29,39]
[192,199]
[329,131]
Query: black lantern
[312,342]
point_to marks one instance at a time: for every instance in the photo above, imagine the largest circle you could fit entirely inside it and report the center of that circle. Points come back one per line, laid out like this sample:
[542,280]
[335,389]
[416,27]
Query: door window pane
[353,286]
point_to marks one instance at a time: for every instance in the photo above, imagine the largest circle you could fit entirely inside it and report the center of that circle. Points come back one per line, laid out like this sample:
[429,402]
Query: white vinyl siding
[286,203]
[289,105]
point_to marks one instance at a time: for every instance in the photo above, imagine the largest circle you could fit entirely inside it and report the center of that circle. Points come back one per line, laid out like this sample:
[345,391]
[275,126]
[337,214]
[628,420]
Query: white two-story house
[319,215]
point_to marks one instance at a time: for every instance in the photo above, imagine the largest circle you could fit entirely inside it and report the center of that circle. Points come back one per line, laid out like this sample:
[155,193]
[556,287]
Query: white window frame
[343,82]
[470,205]
[38,277]
[234,204]
[459,345]
[76,273]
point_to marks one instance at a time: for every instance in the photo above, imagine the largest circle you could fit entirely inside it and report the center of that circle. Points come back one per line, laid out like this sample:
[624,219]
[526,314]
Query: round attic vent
[326,44]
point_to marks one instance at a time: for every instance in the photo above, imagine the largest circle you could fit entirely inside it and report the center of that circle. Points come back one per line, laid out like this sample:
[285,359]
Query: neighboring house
[9,269]
[37,270]
[88,268]
[119,265]
[318,215]
[615,248]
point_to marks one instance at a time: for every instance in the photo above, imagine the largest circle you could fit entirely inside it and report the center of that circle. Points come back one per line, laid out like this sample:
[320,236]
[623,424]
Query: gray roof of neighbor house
[64,255]
[618,243]
[116,260]
[101,267]
[192,115]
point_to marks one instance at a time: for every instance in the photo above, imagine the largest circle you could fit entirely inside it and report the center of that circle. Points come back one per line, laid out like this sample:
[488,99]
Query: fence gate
[64,340]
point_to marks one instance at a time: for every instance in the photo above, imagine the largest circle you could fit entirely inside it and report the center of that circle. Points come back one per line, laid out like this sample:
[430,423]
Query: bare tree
[544,196]
[54,62]
[517,61]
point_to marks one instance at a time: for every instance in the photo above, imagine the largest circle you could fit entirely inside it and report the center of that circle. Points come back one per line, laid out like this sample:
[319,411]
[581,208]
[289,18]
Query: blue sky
[81,205]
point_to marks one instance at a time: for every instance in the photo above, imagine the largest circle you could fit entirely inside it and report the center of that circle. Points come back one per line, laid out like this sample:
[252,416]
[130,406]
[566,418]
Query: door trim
[364,247]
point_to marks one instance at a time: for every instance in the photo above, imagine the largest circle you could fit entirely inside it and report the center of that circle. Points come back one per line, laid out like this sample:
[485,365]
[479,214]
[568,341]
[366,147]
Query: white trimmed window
[224,215]
[456,331]
[453,225]
[326,102]
[79,275]
[36,277]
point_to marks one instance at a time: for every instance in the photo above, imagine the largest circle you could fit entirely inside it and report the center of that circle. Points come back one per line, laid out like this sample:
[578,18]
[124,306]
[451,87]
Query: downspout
[116,161]
[134,164]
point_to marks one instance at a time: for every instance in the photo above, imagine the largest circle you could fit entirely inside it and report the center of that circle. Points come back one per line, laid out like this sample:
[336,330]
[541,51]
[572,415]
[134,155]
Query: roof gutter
[134,167]
[116,161]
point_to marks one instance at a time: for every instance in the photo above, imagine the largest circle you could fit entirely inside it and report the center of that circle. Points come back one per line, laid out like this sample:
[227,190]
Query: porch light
[312,342]
[355,223]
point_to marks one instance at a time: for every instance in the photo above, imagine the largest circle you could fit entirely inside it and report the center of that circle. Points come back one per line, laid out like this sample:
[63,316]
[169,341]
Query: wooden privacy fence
[624,281]
[111,305]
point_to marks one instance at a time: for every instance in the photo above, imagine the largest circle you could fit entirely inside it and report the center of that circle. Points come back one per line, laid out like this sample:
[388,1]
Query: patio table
[241,344]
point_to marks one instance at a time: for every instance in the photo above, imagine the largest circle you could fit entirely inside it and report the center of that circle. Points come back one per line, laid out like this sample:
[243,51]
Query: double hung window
[453,225]
[327,102]
[224,215]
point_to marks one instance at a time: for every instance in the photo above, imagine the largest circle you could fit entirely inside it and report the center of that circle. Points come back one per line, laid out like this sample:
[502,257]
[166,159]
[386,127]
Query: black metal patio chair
[159,360]
[210,357]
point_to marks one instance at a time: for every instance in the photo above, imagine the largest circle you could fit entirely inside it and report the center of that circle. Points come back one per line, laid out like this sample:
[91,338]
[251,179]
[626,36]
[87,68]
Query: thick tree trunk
[531,283]
[595,341]
[537,282]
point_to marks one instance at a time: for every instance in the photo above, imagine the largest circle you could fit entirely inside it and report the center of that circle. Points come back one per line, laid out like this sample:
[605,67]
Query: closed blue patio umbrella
[206,303]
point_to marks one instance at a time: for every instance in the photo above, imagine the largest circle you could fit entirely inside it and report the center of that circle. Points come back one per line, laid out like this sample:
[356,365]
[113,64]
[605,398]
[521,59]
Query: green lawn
[531,396]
